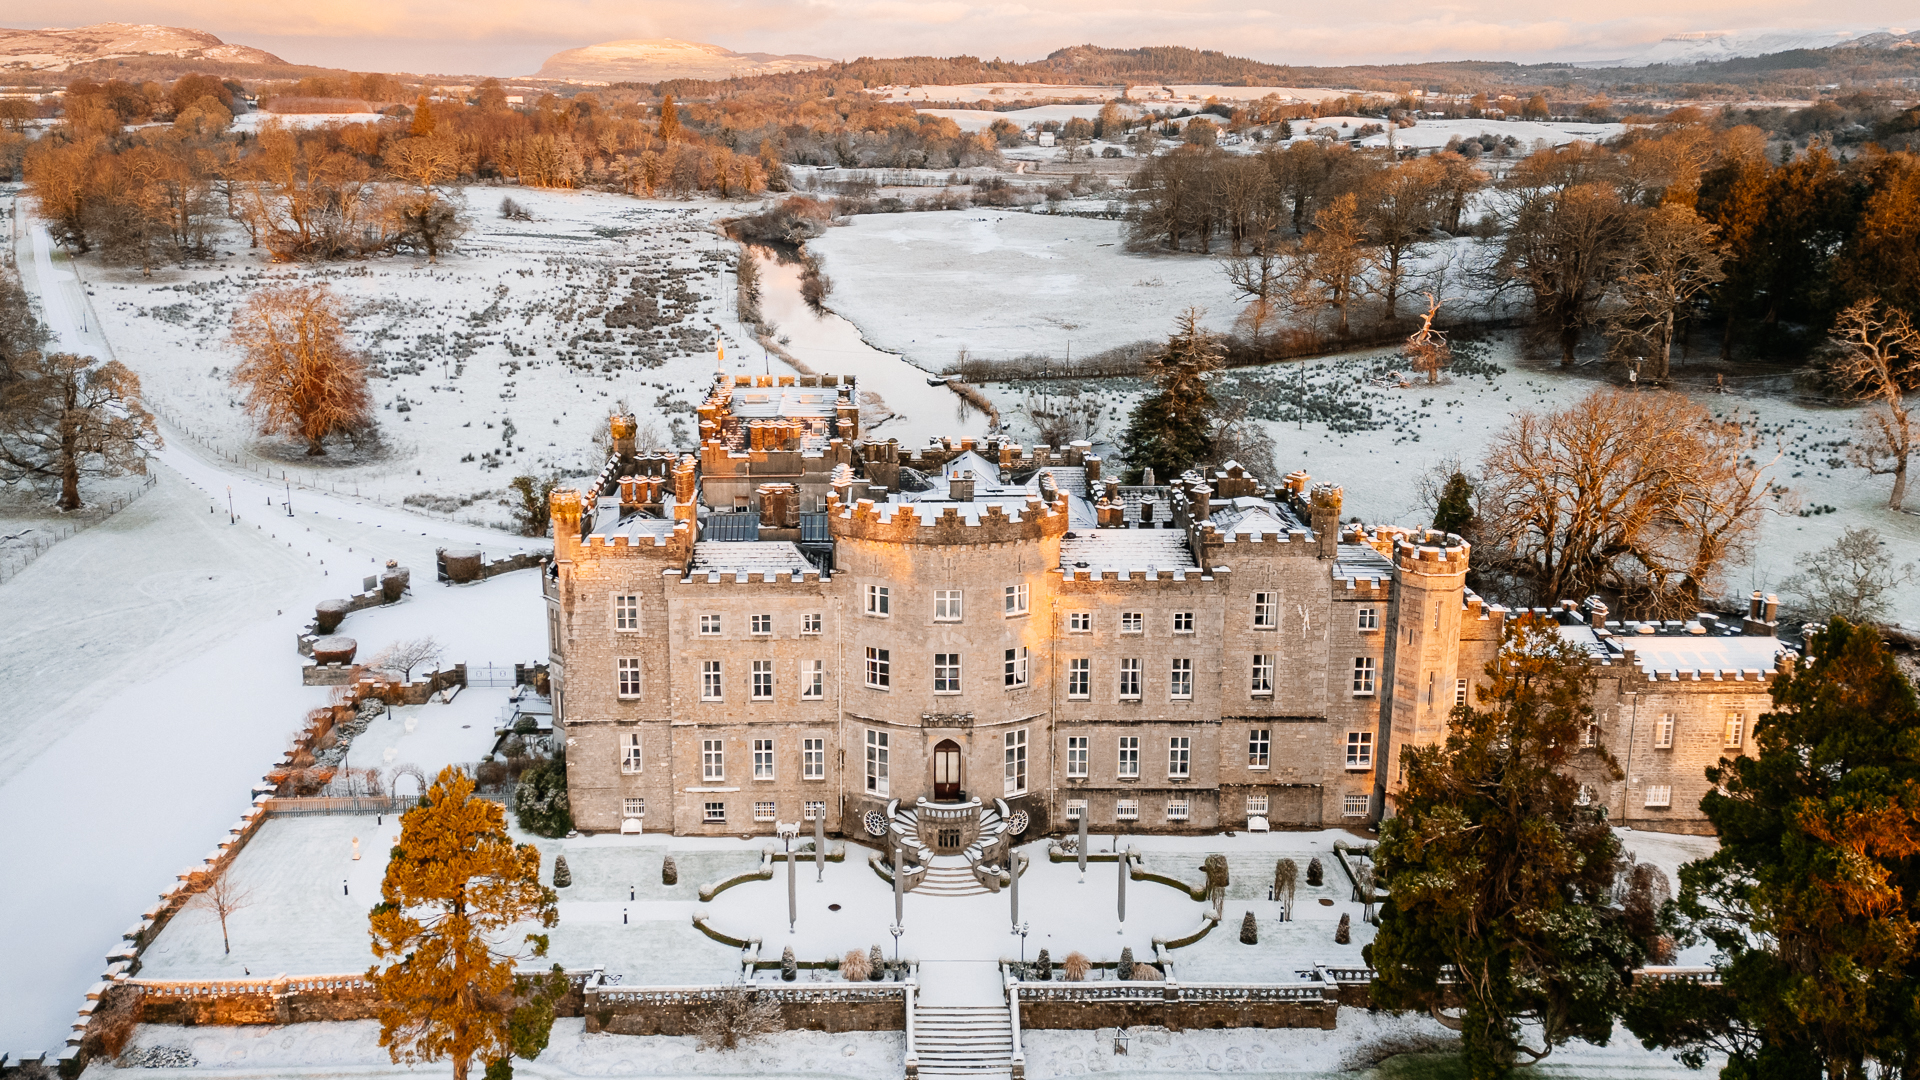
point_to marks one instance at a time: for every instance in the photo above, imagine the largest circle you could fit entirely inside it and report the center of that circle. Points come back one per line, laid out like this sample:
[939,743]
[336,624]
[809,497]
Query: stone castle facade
[797,622]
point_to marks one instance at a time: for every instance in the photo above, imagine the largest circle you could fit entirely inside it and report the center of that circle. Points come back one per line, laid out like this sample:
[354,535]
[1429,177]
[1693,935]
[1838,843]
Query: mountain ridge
[663,59]
[57,48]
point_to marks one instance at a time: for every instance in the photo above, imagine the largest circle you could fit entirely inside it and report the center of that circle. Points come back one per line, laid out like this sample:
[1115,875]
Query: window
[814,811]
[763,759]
[713,759]
[553,631]
[1177,809]
[1369,619]
[1016,667]
[1259,747]
[763,810]
[763,680]
[1659,795]
[1266,611]
[633,808]
[1016,760]
[946,605]
[946,673]
[1736,730]
[1183,622]
[1180,680]
[1130,680]
[1129,756]
[716,811]
[1132,622]
[1584,797]
[1014,598]
[1127,810]
[629,672]
[813,759]
[1359,749]
[1179,757]
[1663,732]
[876,762]
[879,668]
[1262,681]
[1076,809]
[1590,736]
[1256,805]
[1077,756]
[1080,678]
[878,604]
[760,624]
[1079,622]
[810,624]
[710,684]
[813,679]
[1459,692]
[1362,676]
[709,625]
[1354,806]
[630,752]
[626,613]
[1432,679]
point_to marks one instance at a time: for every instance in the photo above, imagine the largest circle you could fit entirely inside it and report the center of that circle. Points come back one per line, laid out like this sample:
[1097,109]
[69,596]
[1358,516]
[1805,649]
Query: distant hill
[1711,46]
[58,48]
[661,59]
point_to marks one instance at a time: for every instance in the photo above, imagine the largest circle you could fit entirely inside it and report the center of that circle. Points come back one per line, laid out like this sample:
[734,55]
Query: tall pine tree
[1171,430]
[1500,882]
[455,888]
[1812,901]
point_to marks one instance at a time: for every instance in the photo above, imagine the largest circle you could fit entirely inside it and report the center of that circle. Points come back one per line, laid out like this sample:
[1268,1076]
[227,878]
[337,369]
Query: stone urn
[327,615]
[334,650]
[463,564]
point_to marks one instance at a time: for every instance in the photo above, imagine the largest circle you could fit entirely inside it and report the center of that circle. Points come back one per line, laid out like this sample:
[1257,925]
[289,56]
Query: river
[831,345]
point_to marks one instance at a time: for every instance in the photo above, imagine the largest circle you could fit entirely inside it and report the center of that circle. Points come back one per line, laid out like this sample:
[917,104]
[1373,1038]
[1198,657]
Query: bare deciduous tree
[1880,363]
[1674,258]
[1853,579]
[62,415]
[299,374]
[223,898]
[404,656]
[1643,498]
[1562,245]
[1427,349]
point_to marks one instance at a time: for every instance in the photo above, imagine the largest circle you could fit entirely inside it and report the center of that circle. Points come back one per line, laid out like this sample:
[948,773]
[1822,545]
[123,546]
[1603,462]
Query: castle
[964,642]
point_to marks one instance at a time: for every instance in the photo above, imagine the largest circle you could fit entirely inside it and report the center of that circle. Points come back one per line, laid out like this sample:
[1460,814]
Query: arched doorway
[946,771]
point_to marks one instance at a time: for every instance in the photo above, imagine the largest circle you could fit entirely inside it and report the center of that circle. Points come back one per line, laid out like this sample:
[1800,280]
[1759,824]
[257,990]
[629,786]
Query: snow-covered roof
[1119,551]
[766,403]
[928,507]
[1690,654]
[1359,562]
[747,557]
[1250,516]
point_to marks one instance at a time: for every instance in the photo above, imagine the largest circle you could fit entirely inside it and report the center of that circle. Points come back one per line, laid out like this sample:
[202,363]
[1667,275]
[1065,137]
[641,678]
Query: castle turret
[1423,655]
[563,506]
[1325,501]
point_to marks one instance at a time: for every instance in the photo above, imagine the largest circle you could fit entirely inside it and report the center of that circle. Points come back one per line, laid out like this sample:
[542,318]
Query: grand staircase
[963,1040]
[960,844]
[949,875]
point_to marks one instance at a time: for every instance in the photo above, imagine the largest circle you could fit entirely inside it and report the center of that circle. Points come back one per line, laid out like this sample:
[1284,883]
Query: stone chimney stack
[1762,612]
[960,488]
[1199,502]
[630,496]
[1325,500]
[563,506]
[622,429]
[683,489]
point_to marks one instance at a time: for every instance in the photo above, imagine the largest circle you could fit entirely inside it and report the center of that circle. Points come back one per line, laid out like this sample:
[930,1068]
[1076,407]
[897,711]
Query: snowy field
[997,92]
[981,119]
[1433,134]
[1007,284]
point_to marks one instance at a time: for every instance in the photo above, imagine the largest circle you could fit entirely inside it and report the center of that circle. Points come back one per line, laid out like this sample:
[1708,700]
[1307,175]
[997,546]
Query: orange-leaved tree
[457,887]
[300,375]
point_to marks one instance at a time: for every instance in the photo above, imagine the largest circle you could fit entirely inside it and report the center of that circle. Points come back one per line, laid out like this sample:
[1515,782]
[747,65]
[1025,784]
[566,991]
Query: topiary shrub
[1043,967]
[1343,934]
[876,964]
[540,802]
[853,967]
[562,877]
[669,873]
[1249,930]
[1125,970]
[1316,874]
[789,967]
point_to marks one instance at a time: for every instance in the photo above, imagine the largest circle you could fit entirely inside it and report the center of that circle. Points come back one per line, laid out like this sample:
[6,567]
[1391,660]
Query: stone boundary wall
[1178,1015]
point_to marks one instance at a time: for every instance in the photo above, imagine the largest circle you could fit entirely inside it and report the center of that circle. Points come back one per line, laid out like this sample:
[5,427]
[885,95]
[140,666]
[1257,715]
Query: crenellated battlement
[1432,553]
[809,576]
[945,523]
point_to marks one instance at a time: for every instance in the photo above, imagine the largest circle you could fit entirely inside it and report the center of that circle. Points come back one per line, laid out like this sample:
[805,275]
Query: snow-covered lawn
[1433,134]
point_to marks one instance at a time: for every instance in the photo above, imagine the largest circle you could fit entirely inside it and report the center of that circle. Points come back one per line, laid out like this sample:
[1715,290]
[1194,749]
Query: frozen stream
[831,345]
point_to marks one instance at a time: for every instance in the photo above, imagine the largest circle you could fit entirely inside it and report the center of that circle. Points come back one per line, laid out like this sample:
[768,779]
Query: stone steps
[963,1040]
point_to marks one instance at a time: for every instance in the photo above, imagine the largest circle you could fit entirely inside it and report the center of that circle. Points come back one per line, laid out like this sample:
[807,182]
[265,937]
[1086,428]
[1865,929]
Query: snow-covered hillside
[1706,46]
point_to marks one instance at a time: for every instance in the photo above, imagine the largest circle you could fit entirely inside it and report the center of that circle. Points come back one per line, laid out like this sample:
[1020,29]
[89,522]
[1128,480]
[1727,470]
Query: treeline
[1677,229]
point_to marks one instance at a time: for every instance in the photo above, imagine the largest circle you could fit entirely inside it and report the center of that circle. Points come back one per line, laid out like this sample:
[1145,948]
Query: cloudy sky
[512,37]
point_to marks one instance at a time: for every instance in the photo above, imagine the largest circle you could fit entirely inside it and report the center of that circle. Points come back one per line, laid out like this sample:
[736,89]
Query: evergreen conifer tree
[1454,514]
[1171,430]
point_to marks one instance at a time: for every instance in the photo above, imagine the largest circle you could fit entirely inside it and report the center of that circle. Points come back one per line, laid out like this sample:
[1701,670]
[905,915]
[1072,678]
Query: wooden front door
[946,771]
